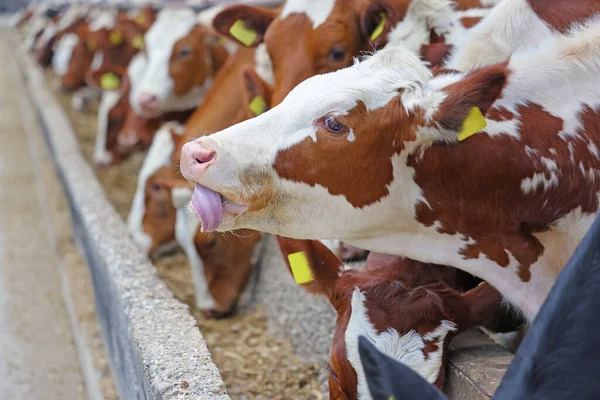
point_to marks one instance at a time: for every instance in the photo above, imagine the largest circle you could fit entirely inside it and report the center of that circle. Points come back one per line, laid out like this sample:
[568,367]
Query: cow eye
[333,125]
[337,54]
[156,187]
[185,52]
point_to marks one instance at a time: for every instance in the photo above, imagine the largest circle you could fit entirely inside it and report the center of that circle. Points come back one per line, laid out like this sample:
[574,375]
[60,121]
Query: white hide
[509,26]
[70,16]
[105,19]
[422,15]
[186,226]
[63,51]
[37,24]
[316,10]
[171,25]
[263,64]
[159,155]
[109,99]
[537,75]
[406,349]
[49,32]
[205,18]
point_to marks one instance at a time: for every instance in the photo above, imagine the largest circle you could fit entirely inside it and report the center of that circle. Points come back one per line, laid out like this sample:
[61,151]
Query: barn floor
[37,355]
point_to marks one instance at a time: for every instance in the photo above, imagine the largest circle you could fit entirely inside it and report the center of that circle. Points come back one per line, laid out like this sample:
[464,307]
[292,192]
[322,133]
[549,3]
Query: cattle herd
[456,141]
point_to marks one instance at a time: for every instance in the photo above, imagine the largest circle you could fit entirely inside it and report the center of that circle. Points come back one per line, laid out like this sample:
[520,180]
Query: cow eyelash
[331,371]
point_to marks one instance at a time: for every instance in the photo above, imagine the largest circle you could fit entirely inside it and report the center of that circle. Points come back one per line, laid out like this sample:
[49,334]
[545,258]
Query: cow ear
[466,102]
[244,24]
[481,302]
[257,93]
[377,20]
[313,266]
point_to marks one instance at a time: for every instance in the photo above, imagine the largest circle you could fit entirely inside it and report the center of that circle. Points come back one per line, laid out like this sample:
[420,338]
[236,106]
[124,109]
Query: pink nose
[195,158]
[148,101]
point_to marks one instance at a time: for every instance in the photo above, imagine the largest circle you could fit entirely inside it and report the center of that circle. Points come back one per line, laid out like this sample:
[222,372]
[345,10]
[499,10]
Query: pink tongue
[207,206]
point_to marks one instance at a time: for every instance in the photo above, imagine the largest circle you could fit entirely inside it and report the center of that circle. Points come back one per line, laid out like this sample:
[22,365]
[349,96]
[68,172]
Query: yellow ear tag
[115,38]
[138,41]
[300,268]
[241,32]
[473,124]
[481,283]
[379,28]
[140,19]
[258,105]
[109,81]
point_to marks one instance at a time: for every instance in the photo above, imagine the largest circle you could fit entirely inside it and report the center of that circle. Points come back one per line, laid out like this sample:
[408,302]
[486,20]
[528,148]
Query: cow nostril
[203,157]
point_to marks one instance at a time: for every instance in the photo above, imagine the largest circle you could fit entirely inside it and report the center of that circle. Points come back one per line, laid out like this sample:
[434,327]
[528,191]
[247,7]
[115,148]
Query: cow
[306,37]
[371,155]
[410,310]
[555,360]
[220,265]
[180,61]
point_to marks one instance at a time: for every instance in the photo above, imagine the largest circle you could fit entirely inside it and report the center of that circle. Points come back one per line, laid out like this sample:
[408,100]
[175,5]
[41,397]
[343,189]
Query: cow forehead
[170,26]
[375,82]
[316,10]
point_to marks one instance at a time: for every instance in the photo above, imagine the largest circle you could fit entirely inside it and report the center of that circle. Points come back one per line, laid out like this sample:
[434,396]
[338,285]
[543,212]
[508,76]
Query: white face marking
[407,349]
[316,10]
[63,51]
[159,155]
[109,99]
[186,226]
[49,32]
[171,25]
[97,61]
[105,19]
[263,64]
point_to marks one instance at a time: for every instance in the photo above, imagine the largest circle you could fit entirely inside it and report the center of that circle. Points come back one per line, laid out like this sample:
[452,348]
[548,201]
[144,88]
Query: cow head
[304,37]
[72,59]
[330,160]
[179,65]
[408,310]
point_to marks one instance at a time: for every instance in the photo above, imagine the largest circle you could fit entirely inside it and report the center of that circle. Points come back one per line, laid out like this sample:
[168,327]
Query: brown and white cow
[181,57]
[370,155]
[220,265]
[409,310]
[305,37]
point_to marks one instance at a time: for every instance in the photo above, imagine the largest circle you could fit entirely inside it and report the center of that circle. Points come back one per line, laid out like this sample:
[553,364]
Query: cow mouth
[210,206]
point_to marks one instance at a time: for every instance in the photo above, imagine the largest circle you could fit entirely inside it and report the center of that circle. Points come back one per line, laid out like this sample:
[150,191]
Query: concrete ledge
[155,348]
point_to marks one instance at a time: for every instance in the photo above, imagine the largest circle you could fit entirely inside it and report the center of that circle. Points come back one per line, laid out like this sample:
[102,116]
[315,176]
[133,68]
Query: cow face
[178,65]
[71,61]
[327,161]
[409,310]
[304,39]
